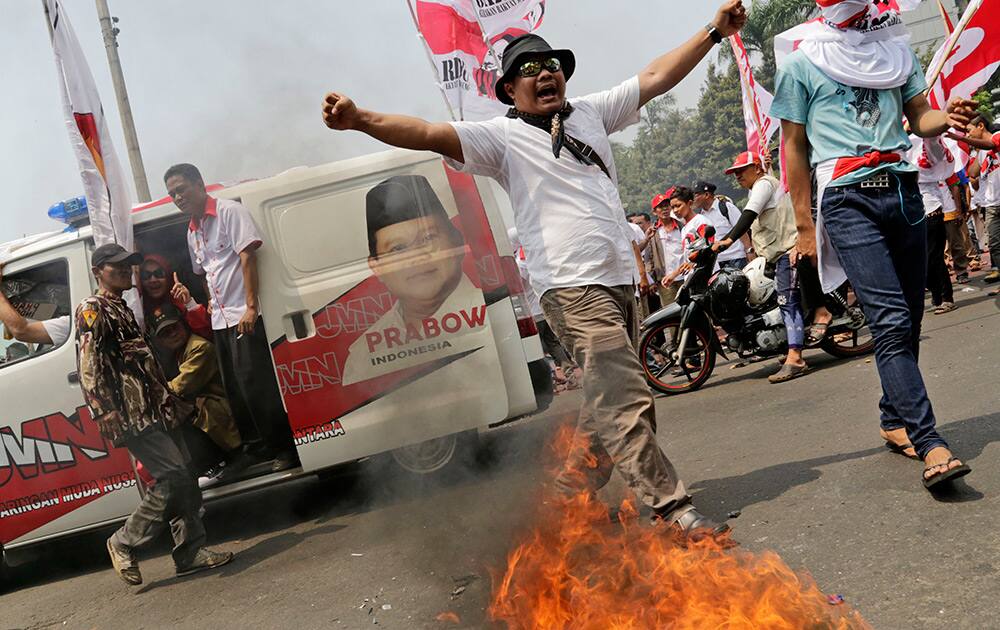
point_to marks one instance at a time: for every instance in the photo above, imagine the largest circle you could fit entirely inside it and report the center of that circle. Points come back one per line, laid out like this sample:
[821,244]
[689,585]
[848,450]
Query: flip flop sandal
[817,333]
[900,449]
[946,307]
[949,475]
[788,372]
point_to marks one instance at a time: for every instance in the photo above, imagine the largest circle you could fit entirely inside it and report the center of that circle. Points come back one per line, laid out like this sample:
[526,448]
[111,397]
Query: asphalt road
[802,461]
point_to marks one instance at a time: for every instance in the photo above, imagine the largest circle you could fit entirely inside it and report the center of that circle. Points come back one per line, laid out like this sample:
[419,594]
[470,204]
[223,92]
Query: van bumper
[541,381]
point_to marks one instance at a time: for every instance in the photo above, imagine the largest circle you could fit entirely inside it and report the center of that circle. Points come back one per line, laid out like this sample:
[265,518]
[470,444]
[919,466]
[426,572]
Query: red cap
[744,160]
[657,200]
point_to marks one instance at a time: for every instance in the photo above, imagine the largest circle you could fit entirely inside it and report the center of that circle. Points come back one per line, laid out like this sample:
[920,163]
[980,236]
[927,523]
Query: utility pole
[110,33]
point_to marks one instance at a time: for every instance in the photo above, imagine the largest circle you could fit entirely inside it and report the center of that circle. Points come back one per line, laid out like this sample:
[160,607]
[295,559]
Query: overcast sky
[235,86]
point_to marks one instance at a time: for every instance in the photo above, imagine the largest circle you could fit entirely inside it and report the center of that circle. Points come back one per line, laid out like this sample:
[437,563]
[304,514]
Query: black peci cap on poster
[401,198]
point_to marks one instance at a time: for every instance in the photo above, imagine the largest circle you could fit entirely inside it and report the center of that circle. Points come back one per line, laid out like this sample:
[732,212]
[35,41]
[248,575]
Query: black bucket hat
[524,46]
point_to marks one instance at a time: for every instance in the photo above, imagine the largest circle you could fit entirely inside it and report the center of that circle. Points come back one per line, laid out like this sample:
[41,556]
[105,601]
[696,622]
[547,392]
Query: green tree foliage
[678,146]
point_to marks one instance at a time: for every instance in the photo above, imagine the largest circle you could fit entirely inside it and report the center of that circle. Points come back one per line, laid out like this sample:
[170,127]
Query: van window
[40,293]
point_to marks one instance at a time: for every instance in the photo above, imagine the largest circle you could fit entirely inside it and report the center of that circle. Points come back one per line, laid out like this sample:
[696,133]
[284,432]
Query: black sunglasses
[156,273]
[534,67]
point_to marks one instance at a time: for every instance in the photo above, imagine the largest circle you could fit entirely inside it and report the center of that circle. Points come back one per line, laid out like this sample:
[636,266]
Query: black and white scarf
[554,125]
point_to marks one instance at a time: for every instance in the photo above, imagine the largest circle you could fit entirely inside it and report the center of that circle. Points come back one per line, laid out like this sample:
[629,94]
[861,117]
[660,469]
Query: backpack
[724,207]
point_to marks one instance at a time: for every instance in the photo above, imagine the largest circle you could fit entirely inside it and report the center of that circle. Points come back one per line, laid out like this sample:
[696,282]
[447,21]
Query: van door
[57,473]
[376,315]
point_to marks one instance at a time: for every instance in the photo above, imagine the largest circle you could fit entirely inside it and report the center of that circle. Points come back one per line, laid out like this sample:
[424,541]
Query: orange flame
[579,570]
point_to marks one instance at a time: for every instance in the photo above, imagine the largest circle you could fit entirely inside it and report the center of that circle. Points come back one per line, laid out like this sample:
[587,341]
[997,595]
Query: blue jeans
[881,239]
[789,302]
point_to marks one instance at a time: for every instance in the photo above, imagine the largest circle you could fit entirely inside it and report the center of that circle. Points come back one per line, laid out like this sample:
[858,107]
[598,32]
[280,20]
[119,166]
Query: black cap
[525,46]
[163,316]
[704,187]
[401,198]
[114,253]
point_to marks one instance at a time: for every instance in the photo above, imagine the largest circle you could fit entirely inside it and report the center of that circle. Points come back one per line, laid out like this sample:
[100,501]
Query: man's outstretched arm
[666,71]
[19,327]
[406,132]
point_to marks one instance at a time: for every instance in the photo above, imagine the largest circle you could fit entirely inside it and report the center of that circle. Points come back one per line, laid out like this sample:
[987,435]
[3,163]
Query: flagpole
[953,42]
[430,59]
[124,108]
[946,19]
[486,37]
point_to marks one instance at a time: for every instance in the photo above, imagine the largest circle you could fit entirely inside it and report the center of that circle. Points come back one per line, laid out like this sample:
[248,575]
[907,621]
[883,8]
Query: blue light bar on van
[72,212]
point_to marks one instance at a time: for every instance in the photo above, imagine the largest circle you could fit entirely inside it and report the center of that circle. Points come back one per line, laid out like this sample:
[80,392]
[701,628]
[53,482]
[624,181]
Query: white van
[356,377]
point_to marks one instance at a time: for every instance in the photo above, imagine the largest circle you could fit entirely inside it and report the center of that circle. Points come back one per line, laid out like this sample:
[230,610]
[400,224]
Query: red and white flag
[109,200]
[949,26]
[760,126]
[460,35]
[974,58]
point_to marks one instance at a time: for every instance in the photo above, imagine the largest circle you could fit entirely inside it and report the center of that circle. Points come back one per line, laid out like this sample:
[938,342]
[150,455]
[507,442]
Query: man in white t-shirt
[936,164]
[553,157]
[772,217]
[668,244]
[53,332]
[722,214]
[648,303]
[681,199]
[987,169]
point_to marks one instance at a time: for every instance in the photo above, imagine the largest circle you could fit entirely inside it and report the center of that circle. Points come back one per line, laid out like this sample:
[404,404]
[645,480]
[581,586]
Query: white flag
[760,125]
[109,201]
[462,36]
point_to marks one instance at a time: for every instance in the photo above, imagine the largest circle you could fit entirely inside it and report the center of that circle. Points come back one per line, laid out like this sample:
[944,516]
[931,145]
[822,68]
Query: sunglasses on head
[534,67]
[155,273]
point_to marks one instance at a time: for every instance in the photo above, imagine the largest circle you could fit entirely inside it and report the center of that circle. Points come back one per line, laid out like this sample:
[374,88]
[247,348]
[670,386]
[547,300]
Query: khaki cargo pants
[597,324]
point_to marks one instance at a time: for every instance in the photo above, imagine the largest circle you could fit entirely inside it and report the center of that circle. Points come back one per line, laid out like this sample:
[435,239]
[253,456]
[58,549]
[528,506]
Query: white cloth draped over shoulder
[872,51]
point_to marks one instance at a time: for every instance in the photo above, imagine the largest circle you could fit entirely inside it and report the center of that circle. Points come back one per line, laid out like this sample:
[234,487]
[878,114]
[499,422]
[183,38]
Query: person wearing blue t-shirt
[841,98]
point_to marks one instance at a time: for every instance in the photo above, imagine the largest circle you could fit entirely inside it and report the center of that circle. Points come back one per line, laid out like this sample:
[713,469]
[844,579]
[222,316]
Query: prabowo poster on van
[405,352]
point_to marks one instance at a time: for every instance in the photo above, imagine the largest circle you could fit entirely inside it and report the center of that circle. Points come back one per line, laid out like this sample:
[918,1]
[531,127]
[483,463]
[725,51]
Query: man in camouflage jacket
[129,399]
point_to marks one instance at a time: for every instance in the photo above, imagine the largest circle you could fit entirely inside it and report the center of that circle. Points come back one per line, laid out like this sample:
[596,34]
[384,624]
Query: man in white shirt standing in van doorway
[553,157]
[723,215]
[223,241]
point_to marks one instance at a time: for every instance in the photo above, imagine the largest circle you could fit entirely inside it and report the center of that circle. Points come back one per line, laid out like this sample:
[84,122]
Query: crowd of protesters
[856,207]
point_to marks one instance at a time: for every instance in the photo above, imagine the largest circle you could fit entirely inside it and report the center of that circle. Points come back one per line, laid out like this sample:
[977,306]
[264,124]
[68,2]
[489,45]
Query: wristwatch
[714,33]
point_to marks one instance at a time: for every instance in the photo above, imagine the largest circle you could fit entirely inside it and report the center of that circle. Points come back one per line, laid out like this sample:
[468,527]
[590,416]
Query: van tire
[427,457]
[438,455]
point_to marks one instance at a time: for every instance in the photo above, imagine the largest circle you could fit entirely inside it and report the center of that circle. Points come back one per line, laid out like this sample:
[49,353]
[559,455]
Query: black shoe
[203,560]
[285,460]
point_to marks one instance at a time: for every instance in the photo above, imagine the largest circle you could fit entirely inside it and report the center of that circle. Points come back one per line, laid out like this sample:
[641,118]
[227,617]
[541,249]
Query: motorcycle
[679,344]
